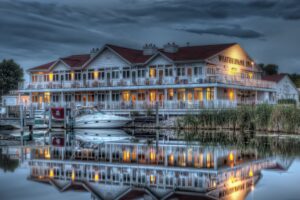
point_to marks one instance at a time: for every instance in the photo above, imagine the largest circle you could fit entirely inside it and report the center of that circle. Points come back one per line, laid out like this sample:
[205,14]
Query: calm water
[117,164]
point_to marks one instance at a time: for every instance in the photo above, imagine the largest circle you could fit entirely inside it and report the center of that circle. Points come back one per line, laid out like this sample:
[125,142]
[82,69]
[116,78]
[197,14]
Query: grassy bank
[264,117]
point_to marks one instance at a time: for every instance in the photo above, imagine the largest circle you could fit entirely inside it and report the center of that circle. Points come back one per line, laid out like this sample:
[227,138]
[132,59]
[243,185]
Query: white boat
[101,136]
[93,118]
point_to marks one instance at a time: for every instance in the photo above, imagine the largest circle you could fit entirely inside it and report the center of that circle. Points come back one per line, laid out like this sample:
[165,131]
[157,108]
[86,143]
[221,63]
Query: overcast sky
[35,32]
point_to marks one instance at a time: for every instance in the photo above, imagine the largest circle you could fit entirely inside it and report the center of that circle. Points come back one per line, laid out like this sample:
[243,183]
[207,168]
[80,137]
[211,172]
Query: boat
[101,136]
[93,118]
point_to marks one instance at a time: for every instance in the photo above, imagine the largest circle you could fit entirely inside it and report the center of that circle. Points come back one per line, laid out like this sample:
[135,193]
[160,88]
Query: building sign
[235,61]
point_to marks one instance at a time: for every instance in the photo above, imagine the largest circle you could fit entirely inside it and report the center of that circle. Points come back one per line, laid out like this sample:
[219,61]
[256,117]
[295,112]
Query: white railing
[222,79]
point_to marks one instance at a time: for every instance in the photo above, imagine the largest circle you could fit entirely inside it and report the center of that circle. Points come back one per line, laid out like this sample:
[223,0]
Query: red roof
[274,78]
[43,67]
[196,52]
[131,55]
[135,56]
[73,61]
[76,60]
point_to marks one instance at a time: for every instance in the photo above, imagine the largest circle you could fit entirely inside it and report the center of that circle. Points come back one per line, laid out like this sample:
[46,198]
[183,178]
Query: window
[115,97]
[126,74]
[55,98]
[68,97]
[68,76]
[90,74]
[181,95]
[77,97]
[126,96]
[34,99]
[101,97]
[101,75]
[198,94]
[46,77]
[56,77]
[170,94]
[77,76]
[210,94]
[141,96]
[152,72]
[168,71]
[33,78]
[91,97]
[181,71]
[211,70]
[197,71]
[141,73]
[115,74]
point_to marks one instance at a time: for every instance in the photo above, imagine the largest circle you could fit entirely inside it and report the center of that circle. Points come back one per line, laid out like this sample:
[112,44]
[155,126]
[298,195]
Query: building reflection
[114,165]
[159,170]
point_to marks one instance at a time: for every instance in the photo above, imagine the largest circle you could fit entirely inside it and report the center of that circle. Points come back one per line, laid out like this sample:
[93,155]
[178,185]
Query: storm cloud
[33,32]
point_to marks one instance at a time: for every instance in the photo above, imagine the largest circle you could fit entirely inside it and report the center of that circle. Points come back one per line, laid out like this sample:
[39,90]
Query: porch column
[215,96]
[95,98]
[165,97]
[110,100]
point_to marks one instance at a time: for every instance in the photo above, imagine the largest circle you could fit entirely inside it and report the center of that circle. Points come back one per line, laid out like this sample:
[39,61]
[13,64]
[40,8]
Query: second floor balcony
[157,81]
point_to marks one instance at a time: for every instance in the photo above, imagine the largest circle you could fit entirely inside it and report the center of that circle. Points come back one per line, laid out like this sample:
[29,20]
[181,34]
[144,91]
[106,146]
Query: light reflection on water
[215,164]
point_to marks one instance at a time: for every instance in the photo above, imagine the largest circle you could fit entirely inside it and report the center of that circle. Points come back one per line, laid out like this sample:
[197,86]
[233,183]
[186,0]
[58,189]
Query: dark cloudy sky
[34,32]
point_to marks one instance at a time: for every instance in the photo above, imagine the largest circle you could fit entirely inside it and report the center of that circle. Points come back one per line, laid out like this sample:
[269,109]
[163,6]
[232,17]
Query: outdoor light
[96,177]
[73,175]
[51,173]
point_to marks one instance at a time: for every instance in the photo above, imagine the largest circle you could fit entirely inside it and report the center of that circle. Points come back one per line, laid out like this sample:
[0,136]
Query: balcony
[166,81]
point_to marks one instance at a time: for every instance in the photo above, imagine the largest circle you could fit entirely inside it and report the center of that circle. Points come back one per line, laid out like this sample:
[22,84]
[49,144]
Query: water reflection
[113,164]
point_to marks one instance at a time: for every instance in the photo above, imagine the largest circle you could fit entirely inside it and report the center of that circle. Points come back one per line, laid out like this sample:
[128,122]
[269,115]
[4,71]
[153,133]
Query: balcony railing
[221,79]
[163,105]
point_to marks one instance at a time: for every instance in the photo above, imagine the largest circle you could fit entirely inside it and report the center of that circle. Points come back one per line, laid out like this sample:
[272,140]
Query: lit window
[126,96]
[152,72]
[152,96]
[210,94]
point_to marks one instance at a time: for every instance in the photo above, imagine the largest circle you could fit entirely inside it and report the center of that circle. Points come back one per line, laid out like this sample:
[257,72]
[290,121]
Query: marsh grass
[263,117]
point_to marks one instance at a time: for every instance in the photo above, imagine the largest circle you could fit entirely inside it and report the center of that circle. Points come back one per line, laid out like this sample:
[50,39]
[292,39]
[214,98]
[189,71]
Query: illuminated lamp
[96,74]
[51,77]
[73,175]
[51,173]
[96,178]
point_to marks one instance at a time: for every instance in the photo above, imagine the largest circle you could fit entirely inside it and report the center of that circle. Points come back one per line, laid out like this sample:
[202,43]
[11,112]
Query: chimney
[94,51]
[149,49]
[171,48]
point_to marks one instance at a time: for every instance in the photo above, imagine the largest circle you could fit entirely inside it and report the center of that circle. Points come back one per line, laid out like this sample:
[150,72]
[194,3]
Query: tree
[269,69]
[10,75]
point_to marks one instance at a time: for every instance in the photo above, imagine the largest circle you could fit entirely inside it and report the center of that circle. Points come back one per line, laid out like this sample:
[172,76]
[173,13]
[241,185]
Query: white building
[122,79]
[285,88]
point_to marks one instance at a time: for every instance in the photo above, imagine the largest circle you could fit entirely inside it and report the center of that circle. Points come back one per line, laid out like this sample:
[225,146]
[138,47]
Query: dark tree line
[10,75]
